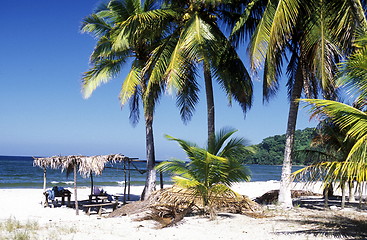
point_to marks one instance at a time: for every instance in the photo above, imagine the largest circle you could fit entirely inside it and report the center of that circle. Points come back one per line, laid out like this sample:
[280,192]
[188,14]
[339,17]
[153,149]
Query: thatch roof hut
[85,165]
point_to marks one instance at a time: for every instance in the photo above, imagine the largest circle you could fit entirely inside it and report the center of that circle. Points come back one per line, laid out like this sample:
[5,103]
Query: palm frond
[260,39]
[96,25]
[176,166]
[102,72]
[132,80]
[237,33]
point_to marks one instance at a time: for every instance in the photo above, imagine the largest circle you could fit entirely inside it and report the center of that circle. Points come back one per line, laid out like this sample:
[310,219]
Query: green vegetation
[349,140]
[171,42]
[211,171]
[305,40]
[271,150]
[13,229]
[128,30]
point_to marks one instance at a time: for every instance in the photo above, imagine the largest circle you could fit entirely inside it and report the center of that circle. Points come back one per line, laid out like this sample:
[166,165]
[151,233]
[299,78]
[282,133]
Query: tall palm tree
[210,171]
[311,36]
[198,41]
[351,119]
[128,29]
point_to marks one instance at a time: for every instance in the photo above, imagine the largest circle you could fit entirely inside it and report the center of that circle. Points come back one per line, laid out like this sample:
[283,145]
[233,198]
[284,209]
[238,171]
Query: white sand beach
[24,207]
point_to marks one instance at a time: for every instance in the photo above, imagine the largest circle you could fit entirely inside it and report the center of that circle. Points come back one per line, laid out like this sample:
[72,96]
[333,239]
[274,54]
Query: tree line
[271,150]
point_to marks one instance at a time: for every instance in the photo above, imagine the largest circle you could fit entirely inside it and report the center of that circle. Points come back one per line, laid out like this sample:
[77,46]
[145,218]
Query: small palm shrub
[210,172]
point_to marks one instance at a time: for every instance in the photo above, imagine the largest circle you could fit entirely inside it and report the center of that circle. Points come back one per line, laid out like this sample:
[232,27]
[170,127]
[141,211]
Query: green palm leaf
[207,173]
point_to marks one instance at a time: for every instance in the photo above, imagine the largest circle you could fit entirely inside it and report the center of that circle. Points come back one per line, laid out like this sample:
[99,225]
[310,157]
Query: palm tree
[351,119]
[128,29]
[330,149]
[211,171]
[311,36]
[197,41]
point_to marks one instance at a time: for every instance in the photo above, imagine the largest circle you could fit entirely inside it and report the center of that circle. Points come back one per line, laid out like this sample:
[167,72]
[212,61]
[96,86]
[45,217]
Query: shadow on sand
[350,223]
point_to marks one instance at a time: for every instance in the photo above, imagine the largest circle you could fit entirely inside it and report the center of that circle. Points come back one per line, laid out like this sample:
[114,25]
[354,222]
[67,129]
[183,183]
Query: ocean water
[19,172]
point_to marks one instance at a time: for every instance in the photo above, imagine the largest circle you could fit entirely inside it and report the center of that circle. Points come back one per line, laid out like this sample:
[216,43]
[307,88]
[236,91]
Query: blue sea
[19,172]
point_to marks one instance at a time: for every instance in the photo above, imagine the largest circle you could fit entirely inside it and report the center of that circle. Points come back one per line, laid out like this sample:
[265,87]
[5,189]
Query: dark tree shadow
[324,222]
[336,226]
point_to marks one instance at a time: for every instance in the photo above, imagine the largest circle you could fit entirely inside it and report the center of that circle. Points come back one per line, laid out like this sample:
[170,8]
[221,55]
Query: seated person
[100,192]
[56,192]
[60,191]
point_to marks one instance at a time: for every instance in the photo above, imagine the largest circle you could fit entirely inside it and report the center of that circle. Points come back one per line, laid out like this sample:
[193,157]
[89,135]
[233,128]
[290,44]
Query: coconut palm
[311,36]
[198,42]
[329,149]
[128,29]
[351,119]
[210,172]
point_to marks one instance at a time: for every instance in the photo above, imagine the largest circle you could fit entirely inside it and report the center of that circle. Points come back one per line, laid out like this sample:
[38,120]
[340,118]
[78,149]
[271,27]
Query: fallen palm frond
[271,197]
[230,200]
[170,205]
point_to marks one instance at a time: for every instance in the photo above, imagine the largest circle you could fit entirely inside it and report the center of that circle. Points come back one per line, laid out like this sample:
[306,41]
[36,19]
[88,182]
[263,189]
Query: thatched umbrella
[85,165]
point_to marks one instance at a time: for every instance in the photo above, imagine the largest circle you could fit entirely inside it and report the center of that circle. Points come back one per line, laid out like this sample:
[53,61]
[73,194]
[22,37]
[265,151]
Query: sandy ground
[22,207]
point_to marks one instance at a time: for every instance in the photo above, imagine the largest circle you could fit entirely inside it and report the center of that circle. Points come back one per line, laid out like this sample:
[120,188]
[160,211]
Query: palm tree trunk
[360,194]
[285,199]
[326,197]
[209,99]
[328,192]
[150,182]
[343,194]
[351,191]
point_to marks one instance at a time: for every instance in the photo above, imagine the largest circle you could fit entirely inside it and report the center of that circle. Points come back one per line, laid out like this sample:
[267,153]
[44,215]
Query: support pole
[161,179]
[129,179]
[44,179]
[125,181]
[45,200]
[91,180]
[75,191]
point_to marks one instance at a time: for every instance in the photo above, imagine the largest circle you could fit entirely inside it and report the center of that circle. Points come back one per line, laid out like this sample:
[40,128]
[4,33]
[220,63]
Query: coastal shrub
[11,224]
[32,225]
[12,228]
[212,170]
[21,235]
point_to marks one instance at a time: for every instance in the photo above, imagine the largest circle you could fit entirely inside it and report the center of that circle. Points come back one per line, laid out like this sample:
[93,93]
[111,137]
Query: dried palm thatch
[86,164]
[170,205]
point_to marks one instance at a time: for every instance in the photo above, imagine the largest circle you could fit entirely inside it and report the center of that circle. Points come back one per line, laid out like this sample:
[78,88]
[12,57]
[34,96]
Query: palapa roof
[85,164]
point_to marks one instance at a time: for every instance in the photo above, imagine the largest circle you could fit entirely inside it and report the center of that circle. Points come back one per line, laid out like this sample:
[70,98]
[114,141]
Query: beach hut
[85,165]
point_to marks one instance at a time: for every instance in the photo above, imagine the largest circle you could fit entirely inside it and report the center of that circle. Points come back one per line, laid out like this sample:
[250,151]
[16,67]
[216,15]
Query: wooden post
[44,179]
[161,179]
[91,179]
[75,191]
[129,179]
[125,182]
[45,198]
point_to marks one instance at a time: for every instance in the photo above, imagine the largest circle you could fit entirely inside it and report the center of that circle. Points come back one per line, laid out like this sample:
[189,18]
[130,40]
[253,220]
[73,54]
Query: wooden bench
[98,206]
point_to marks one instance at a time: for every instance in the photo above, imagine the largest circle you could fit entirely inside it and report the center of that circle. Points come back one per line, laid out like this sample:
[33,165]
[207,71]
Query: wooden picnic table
[98,206]
[98,202]
[93,198]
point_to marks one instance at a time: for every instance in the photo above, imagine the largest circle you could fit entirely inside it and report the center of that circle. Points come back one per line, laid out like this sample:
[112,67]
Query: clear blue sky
[42,112]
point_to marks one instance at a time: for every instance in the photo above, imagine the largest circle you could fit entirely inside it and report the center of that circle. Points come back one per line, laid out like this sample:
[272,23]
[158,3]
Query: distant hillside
[271,150]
